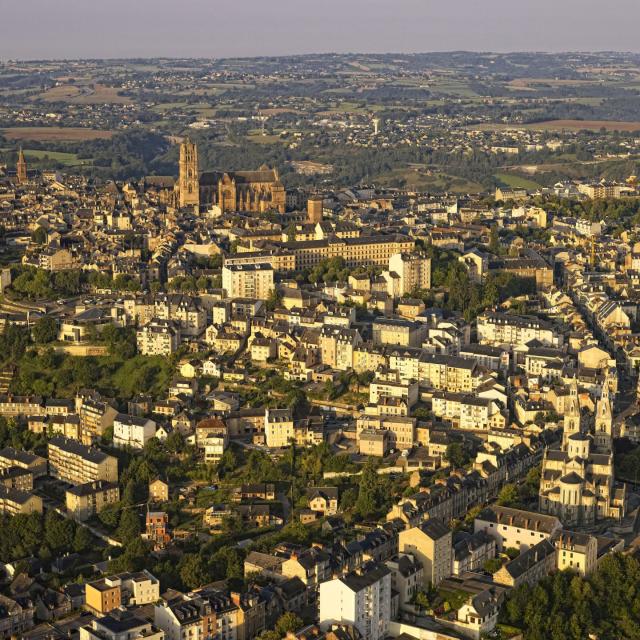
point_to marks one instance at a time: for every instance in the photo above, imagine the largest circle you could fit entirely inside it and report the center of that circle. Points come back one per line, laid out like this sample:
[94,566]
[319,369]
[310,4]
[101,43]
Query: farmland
[55,134]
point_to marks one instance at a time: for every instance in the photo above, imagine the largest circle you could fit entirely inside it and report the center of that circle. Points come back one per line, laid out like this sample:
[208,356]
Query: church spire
[21,168]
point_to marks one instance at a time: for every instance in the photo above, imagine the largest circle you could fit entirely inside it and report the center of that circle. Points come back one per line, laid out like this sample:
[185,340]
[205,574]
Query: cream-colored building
[248,281]
[79,464]
[279,429]
[85,500]
[467,411]
[431,544]
[158,338]
[16,501]
[576,551]
[413,269]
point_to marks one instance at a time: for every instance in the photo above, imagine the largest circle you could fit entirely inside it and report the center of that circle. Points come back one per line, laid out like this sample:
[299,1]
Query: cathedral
[257,191]
[577,482]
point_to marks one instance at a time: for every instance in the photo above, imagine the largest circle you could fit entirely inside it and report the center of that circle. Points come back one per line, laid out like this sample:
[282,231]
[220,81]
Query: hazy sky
[212,28]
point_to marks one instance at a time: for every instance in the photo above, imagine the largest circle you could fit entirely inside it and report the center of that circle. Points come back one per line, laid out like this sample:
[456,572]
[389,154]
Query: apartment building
[11,405]
[95,417]
[337,345]
[365,250]
[515,528]
[10,457]
[279,429]
[17,617]
[430,543]
[16,501]
[467,411]
[16,478]
[499,329]
[104,595]
[248,280]
[120,626]
[576,551]
[85,500]
[413,270]
[398,332]
[79,464]
[406,576]
[132,431]
[158,338]
[202,615]
[123,589]
[361,599]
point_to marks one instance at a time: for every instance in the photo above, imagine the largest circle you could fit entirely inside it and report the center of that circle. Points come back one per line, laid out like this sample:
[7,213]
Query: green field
[413,178]
[517,182]
[70,159]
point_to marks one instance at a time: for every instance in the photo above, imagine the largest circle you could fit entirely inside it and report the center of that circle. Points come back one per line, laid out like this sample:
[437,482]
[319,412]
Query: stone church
[577,481]
[256,191]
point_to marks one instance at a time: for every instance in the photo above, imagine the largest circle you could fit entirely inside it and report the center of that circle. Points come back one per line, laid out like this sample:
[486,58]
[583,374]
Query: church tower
[604,421]
[21,168]
[571,415]
[189,180]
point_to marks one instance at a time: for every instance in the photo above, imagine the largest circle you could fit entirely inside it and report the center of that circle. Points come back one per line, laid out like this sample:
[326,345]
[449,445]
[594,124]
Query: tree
[508,496]
[82,540]
[45,330]
[59,532]
[193,571]
[367,503]
[492,565]
[129,526]
[288,622]
[456,455]
[39,236]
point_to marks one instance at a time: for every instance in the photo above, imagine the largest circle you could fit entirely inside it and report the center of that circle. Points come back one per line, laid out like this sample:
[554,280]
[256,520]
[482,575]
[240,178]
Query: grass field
[559,125]
[70,159]
[516,182]
[436,181]
[89,94]
[55,134]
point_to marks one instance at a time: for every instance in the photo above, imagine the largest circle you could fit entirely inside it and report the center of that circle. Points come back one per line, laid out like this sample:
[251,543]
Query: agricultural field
[69,159]
[55,134]
[516,182]
[562,125]
[84,94]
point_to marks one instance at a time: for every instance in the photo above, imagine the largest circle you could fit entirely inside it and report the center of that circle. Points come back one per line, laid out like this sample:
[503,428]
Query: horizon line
[325,53]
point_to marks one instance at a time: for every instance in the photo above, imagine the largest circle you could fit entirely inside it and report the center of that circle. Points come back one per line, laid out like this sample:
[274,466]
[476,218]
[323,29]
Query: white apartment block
[362,599]
[132,431]
[247,280]
[468,411]
[503,329]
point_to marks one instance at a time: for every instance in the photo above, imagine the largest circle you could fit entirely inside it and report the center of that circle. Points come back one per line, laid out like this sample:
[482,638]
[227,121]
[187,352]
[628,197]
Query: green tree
[368,503]
[288,622]
[509,495]
[129,525]
[456,455]
[193,571]
[39,235]
[45,330]
[82,540]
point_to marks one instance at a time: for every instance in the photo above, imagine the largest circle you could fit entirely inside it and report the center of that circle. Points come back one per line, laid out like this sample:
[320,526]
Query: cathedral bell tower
[604,421]
[189,179]
[21,168]
[572,416]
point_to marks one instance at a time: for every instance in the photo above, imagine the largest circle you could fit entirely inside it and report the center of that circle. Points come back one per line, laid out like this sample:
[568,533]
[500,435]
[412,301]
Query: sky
[37,29]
